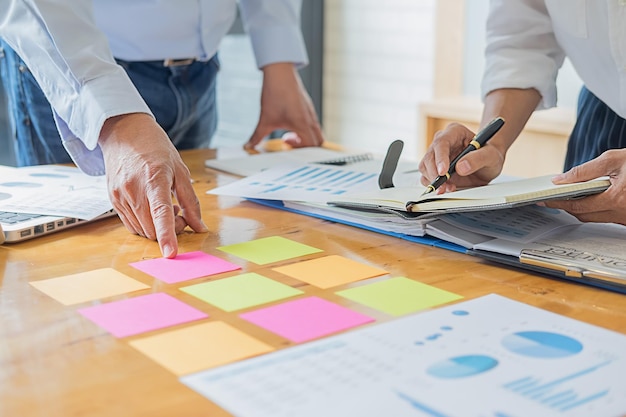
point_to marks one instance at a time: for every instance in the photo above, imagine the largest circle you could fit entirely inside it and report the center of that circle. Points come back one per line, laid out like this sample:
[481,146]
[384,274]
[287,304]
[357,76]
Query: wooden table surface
[54,362]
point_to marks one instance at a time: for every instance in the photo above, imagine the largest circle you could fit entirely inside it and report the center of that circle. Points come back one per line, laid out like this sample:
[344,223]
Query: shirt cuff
[278,44]
[528,72]
[98,100]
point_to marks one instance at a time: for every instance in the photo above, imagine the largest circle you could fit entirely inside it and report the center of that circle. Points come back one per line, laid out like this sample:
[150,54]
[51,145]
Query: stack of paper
[499,221]
[53,190]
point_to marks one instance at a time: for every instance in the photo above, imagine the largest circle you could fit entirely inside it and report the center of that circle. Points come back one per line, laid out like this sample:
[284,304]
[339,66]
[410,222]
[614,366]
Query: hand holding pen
[479,140]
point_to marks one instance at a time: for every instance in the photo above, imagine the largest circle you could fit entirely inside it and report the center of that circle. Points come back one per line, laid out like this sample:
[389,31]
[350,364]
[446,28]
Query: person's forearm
[70,59]
[515,106]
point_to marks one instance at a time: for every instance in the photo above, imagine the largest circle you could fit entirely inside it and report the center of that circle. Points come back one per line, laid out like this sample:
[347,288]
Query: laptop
[36,201]
[17,227]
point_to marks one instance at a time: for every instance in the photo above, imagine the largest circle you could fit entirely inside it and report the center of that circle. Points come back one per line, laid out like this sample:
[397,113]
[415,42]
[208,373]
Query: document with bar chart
[487,357]
[301,182]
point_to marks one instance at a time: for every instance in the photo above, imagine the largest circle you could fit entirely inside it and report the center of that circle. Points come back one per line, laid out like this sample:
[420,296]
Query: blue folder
[424,240]
[500,259]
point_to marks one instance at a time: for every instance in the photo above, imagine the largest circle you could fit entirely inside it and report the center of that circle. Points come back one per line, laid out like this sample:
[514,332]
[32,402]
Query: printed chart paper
[301,182]
[490,356]
[53,190]
[519,224]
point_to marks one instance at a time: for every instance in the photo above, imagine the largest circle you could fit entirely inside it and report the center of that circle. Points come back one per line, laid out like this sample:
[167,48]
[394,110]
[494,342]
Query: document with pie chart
[486,357]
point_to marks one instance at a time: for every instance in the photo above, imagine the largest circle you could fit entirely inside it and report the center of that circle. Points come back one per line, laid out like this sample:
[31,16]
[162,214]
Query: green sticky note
[399,296]
[269,249]
[241,291]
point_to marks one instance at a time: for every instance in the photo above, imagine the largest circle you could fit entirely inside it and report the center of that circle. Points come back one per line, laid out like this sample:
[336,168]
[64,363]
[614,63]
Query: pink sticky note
[306,318]
[184,267]
[141,314]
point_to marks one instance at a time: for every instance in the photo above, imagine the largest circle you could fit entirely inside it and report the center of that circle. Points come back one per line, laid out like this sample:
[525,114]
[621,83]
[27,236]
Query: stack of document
[53,190]
[246,164]
[500,221]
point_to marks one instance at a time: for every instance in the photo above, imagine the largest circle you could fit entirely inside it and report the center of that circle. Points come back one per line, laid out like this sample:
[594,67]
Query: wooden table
[53,362]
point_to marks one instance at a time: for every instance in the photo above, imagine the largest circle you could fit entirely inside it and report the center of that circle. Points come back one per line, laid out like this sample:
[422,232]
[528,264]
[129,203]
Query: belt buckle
[178,62]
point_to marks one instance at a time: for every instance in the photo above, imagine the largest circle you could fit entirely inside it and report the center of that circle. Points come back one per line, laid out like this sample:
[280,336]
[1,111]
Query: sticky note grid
[186,339]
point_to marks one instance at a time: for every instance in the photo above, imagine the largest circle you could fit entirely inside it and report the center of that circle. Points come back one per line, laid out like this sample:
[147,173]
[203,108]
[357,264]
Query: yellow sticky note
[241,291]
[398,296]
[269,249]
[199,347]
[330,271]
[88,286]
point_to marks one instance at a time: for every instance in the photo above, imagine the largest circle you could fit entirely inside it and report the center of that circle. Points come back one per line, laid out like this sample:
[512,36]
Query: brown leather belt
[178,62]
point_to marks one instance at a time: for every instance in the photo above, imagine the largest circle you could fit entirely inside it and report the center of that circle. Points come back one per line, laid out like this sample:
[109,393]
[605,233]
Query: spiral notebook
[409,201]
[252,164]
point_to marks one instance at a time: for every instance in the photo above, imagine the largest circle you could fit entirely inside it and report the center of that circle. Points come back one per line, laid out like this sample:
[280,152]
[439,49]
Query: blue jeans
[182,98]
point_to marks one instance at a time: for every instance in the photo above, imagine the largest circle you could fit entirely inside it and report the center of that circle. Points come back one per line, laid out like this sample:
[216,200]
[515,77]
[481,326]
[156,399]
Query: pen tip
[428,190]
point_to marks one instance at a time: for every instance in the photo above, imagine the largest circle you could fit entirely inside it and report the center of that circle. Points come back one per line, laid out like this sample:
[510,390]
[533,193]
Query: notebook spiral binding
[345,160]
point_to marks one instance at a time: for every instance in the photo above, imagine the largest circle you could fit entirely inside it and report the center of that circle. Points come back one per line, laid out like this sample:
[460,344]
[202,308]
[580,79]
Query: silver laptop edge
[40,226]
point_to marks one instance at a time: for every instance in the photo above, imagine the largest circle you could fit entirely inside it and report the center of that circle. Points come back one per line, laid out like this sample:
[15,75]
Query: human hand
[476,168]
[143,170]
[606,207]
[285,104]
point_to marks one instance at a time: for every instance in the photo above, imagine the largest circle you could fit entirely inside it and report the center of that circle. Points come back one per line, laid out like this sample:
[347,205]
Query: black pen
[479,140]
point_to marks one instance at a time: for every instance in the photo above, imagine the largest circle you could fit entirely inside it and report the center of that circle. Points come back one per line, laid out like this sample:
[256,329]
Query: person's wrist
[112,124]
[279,71]
[278,67]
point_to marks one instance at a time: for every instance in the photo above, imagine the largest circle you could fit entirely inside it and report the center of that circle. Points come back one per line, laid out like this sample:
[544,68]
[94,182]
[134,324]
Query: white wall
[377,69]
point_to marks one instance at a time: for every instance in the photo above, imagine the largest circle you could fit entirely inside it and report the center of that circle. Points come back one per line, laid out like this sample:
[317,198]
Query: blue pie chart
[462,366]
[537,344]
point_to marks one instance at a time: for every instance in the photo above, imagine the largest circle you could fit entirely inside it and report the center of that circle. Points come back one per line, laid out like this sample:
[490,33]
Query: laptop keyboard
[7,217]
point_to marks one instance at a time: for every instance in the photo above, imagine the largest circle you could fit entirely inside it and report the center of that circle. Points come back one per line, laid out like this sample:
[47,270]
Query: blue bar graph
[330,178]
[315,179]
[276,188]
[552,394]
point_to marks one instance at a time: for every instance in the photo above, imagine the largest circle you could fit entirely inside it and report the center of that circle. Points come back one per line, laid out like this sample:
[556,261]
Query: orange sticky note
[330,271]
[88,286]
[199,347]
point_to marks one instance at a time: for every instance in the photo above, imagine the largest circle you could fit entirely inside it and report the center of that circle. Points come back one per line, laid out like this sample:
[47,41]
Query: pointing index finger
[162,212]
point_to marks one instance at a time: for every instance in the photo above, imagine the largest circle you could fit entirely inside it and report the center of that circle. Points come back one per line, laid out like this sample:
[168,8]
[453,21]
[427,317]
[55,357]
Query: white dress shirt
[69,47]
[527,41]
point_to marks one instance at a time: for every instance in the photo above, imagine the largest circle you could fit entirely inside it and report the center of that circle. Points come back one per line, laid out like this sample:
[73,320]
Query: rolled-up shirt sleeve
[274,29]
[71,60]
[522,51]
